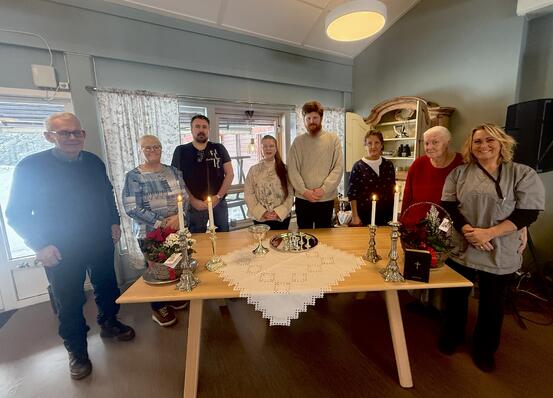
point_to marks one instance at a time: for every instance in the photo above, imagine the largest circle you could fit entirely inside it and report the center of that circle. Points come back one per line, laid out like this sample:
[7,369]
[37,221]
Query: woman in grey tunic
[489,198]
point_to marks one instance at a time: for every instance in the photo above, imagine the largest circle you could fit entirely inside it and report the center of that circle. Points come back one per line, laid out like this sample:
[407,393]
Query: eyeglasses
[152,148]
[67,134]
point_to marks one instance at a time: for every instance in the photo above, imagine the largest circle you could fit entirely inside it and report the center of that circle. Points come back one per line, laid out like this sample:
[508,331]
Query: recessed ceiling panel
[286,20]
[317,3]
[205,10]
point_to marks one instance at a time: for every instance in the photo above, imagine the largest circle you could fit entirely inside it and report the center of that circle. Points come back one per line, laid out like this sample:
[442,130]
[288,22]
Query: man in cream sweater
[315,167]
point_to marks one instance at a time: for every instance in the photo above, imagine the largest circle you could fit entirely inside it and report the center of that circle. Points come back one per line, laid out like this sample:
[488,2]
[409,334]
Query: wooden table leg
[193,349]
[398,338]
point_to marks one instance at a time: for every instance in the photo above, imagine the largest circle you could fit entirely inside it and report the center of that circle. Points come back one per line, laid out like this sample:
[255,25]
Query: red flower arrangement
[159,244]
[433,232]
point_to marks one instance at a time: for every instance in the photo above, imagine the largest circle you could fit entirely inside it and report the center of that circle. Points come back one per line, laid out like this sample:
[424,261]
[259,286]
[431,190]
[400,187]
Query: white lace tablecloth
[281,285]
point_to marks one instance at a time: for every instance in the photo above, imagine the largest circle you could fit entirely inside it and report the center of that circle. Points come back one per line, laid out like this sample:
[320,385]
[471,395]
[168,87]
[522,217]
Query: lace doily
[281,285]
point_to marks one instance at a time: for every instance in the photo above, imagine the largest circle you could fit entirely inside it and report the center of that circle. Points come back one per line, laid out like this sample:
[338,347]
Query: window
[241,135]
[242,139]
[186,113]
[21,128]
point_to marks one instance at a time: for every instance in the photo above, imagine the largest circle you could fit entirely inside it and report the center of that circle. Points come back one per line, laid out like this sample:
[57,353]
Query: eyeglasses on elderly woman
[152,147]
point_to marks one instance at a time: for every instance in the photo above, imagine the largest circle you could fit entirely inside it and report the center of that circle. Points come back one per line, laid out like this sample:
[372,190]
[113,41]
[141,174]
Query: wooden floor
[339,348]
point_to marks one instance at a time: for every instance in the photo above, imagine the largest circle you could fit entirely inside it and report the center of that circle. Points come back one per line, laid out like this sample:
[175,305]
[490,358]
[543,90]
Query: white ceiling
[296,22]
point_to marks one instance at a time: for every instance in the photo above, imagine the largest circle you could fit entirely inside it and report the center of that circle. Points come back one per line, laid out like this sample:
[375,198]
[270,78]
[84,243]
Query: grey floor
[339,348]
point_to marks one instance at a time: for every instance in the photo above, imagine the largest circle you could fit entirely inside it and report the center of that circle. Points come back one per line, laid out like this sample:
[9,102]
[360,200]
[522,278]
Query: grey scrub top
[482,207]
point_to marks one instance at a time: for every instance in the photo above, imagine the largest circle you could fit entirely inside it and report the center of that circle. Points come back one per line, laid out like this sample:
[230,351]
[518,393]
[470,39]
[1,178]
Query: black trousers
[67,284]
[493,291]
[275,225]
[314,214]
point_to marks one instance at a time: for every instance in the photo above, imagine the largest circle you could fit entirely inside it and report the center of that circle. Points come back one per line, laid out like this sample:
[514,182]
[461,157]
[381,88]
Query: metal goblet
[259,231]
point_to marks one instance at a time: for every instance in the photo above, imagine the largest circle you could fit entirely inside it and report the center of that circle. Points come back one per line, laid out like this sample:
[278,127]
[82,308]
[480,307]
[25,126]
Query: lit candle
[373,211]
[396,203]
[181,212]
[210,210]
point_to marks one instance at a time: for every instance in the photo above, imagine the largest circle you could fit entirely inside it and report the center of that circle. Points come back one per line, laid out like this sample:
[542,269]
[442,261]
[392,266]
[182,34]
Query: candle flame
[209,198]
[374,197]
[179,198]
[396,189]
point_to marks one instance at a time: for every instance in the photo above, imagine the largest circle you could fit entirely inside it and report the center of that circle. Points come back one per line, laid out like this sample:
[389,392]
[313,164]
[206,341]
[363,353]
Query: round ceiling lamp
[355,20]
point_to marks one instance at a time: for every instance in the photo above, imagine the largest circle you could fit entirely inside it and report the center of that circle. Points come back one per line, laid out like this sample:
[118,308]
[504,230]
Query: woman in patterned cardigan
[372,175]
[150,199]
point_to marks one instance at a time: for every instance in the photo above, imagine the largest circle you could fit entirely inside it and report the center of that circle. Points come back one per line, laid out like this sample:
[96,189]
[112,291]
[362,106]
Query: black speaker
[531,125]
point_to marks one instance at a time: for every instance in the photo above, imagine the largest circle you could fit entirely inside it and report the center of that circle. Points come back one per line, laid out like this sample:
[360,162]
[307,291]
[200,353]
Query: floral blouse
[263,192]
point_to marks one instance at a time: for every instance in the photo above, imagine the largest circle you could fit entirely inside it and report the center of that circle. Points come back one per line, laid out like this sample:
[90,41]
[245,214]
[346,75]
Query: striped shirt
[150,197]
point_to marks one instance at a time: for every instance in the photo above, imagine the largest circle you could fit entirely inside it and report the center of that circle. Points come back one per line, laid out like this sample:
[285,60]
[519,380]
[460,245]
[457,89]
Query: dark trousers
[276,225]
[197,220]
[314,214]
[493,290]
[67,285]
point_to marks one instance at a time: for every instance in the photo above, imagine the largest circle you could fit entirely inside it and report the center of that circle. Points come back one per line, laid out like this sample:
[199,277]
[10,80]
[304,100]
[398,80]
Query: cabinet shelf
[400,139]
[397,123]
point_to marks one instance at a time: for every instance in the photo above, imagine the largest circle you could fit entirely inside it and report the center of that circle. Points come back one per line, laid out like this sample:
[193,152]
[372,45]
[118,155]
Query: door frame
[8,292]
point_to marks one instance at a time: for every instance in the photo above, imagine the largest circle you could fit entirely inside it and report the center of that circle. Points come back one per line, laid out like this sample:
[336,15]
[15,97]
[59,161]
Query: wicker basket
[439,257]
[164,273]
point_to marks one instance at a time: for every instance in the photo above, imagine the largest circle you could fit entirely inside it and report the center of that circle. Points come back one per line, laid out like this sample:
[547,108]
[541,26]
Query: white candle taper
[210,211]
[396,203]
[181,212]
[373,211]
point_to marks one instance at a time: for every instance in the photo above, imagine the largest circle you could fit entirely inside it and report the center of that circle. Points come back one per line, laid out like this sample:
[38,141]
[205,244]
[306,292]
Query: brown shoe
[164,316]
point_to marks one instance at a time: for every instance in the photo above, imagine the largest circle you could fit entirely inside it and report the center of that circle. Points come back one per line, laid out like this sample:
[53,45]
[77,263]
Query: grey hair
[59,115]
[148,136]
[443,131]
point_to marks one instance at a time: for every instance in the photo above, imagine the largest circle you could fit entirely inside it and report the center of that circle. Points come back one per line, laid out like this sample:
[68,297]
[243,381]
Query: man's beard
[314,129]
[201,138]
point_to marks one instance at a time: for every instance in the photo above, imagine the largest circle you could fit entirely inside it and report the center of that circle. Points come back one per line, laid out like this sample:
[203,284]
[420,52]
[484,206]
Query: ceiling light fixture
[355,20]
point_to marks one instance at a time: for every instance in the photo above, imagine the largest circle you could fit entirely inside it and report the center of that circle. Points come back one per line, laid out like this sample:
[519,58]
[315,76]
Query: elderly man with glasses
[62,204]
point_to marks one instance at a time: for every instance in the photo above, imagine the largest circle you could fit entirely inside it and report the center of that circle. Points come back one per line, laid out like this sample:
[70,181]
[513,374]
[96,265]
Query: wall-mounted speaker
[530,123]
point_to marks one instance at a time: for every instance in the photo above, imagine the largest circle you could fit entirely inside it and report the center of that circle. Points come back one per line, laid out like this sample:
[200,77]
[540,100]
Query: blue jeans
[197,219]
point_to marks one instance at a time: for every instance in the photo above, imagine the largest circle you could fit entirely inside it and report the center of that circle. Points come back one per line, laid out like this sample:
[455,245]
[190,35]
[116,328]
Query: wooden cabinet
[401,120]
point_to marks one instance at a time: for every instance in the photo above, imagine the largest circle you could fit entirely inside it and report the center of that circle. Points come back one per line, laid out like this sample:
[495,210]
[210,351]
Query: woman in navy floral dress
[372,175]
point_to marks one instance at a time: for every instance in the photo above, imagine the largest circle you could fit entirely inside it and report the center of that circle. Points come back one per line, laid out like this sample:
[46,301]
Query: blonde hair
[507,143]
[59,115]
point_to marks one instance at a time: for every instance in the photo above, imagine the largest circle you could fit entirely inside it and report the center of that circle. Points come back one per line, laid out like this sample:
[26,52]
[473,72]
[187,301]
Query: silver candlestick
[391,272]
[215,262]
[371,254]
[188,280]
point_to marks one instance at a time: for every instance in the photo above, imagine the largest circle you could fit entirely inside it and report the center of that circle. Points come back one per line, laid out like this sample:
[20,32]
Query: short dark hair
[199,116]
[312,106]
[375,133]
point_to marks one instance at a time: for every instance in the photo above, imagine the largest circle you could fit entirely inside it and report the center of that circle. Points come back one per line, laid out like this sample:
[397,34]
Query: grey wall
[112,46]
[103,44]
[459,53]
[536,81]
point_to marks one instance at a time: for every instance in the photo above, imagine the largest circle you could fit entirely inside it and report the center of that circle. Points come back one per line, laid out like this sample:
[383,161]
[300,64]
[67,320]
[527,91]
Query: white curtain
[334,121]
[125,116]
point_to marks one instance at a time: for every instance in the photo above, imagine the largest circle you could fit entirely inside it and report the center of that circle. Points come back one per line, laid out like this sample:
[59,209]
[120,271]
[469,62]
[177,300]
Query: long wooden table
[366,279]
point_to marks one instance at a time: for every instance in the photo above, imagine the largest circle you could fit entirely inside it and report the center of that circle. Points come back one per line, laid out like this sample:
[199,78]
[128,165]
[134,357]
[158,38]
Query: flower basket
[158,246]
[164,273]
[427,226]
